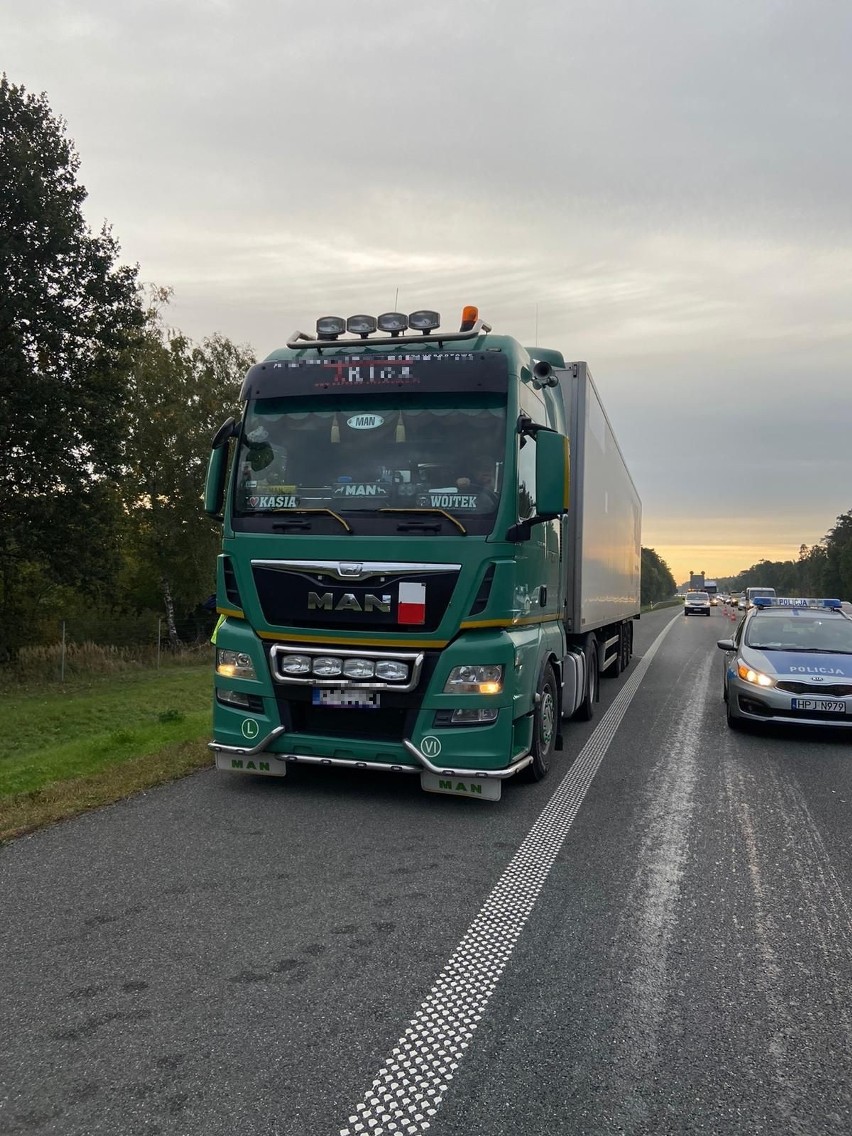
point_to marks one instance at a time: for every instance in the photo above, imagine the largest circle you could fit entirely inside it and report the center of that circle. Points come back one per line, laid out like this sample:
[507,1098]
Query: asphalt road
[656,939]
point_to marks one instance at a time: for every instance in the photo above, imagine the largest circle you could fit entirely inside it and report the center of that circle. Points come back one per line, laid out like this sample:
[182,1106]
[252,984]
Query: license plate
[265,766]
[827,704]
[461,786]
[346,699]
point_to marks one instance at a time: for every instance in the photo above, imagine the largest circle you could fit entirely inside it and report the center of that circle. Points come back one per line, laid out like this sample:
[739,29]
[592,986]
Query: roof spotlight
[394,322]
[329,327]
[424,321]
[361,325]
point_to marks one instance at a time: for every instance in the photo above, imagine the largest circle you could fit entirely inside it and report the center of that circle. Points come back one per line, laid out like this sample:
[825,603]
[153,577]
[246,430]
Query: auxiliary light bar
[394,325]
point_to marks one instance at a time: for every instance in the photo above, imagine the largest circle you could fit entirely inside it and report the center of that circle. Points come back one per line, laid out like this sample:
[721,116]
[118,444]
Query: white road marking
[408,1089]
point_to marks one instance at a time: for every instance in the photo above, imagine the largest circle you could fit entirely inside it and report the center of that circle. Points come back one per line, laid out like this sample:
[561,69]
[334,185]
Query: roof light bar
[796,601]
[394,326]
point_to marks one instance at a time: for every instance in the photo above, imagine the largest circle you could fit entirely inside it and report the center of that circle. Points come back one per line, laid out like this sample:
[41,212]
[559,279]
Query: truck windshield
[370,453]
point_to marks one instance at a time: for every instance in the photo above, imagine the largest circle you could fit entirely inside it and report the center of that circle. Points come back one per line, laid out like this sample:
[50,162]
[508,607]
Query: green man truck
[430,555]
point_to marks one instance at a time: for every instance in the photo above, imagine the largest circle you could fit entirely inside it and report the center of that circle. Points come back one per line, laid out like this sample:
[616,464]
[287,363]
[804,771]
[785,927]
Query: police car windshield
[368,453]
[813,632]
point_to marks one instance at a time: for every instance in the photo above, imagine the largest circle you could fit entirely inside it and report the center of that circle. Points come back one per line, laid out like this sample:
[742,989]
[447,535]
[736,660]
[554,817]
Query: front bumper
[236,758]
[767,704]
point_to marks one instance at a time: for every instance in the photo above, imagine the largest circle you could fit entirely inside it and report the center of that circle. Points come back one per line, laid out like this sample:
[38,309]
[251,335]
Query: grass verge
[24,812]
[69,750]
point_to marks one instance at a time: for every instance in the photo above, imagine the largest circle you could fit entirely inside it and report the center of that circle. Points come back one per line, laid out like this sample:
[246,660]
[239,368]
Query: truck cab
[395,582]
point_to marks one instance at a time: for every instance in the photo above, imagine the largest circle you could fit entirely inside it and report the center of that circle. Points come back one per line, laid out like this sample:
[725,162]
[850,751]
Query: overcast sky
[660,187]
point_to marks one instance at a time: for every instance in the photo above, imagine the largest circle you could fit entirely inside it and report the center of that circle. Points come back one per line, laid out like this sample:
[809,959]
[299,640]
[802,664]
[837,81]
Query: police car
[790,661]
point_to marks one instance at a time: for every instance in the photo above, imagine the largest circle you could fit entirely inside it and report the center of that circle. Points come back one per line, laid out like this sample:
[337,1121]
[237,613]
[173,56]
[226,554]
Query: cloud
[662,189]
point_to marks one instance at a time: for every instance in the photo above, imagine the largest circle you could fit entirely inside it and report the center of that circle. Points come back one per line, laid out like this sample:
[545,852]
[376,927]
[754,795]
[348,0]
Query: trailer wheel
[586,709]
[545,724]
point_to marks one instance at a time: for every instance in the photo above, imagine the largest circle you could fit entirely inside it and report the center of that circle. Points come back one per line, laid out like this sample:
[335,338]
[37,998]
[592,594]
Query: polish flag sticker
[412,603]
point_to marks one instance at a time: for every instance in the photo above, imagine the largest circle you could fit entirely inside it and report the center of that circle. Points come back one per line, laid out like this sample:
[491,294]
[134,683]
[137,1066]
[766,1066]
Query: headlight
[234,664]
[327,666]
[295,664]
[486,679]
[358,668]
[391,671]
[749,674]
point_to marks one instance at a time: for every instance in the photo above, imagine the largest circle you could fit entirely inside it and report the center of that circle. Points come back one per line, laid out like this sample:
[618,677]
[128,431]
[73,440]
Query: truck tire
[545,724]
[586,709]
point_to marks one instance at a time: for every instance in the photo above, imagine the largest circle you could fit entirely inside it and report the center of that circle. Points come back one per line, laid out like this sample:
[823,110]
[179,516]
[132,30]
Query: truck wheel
[586,710]
[545,724]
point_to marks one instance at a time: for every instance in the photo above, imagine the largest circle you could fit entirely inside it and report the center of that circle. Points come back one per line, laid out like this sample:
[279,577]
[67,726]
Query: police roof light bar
[796,601]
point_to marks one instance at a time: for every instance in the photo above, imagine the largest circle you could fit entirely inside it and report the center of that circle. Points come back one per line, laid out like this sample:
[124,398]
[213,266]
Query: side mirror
[229,429]
[726,644]
[214,487]
[552,474]
[552,478]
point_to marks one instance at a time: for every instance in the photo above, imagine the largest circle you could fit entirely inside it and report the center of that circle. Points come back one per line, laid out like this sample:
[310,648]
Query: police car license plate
[346,699]
[827,704]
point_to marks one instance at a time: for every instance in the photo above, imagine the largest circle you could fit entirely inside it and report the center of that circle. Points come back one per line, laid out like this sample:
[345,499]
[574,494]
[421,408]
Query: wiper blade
[299,514]
[433,512]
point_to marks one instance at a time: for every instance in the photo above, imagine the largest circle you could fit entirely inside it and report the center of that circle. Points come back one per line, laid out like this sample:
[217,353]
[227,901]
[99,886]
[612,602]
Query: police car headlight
[749,674]
[234,664]
[475,680]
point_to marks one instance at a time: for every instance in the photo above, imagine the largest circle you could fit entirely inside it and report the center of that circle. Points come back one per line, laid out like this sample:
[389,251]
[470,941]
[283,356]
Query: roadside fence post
[159,637]
[62,655]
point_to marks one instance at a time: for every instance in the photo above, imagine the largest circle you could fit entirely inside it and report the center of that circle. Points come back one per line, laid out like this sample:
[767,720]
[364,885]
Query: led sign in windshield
[334,374]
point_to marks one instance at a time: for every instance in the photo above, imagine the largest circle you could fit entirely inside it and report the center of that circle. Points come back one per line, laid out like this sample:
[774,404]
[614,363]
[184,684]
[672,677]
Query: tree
[67,312]
[179,393]
[657,581]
